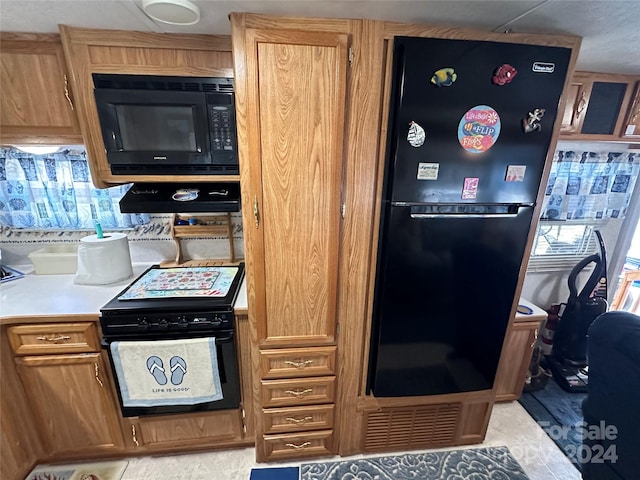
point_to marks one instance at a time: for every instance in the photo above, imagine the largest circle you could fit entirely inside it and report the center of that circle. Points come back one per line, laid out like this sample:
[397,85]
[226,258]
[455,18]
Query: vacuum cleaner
[568,359]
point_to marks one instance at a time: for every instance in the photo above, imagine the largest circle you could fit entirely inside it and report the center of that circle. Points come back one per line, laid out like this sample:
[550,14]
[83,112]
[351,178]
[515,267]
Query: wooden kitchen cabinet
[36,105]
[516,354]
[71,402]
[291,82]
[174,433]
[89,51]
[67,383]
[290,127]
[598,107]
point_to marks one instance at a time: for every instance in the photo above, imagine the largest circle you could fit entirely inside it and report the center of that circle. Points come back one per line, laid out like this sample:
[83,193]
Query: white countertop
[537,313]
[56,295]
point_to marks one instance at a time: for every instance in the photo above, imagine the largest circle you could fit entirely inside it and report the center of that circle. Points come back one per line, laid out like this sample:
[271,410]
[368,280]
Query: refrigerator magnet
[504,74]
[444,77]
[479,129]
[416,135]
[428,171]
[470,189]
[532,122]
[515,173]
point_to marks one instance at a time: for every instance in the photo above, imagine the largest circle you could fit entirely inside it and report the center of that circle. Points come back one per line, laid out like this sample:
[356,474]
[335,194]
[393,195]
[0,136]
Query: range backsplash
[148,243]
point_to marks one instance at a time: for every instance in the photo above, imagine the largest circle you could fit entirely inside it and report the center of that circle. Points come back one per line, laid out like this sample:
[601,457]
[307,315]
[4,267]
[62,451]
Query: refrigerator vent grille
[411,427]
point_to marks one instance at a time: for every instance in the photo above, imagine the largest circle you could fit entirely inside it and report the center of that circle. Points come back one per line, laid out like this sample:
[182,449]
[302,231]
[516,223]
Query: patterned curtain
[55,191]
[589,185]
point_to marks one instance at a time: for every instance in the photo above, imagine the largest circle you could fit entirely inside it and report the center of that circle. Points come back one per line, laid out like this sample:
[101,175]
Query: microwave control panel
[222,128]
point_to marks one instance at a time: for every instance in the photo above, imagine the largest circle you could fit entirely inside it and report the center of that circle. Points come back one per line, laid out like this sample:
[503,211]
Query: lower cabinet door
[174,432]
[515,360]
[298,445]
[71,401]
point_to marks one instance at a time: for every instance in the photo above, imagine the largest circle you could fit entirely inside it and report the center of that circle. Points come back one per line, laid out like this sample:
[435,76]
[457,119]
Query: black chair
[612,407]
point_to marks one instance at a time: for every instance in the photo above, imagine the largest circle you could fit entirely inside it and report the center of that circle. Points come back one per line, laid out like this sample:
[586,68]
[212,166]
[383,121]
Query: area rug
[278,473]
[559,413]
[80,471]
[494,463]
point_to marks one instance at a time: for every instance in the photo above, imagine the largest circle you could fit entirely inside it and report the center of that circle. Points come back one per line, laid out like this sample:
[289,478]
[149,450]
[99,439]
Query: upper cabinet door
[36,103]
[577,101]
[632,125]
[597,106]
[292,180]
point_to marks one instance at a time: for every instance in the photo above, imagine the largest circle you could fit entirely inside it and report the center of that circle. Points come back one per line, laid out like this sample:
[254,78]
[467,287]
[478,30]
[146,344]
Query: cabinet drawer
[54,338]
[298,391]
[298,362]
[202,428]
[297,419]
[295,445]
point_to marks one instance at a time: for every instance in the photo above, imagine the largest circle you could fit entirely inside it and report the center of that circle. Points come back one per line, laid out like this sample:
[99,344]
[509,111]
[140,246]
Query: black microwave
[159,125]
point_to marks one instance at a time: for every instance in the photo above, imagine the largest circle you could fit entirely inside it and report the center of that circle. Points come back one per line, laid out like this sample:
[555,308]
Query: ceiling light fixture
[173,12]
[38,150]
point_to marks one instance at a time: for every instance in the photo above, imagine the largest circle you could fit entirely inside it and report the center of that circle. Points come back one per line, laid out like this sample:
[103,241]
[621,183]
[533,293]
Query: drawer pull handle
[66,91]
[298,421]
[98,374]
[299,363]
[535,338]
[55,338]
[297,447]
[581,104]
[133,435]
[299,393]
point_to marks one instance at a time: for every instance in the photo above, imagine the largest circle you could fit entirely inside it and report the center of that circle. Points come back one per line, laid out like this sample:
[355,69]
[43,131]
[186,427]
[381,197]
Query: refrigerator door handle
[466,215]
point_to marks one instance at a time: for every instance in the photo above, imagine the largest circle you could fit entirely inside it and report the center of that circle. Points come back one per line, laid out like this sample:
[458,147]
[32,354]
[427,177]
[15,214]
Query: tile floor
[510,425]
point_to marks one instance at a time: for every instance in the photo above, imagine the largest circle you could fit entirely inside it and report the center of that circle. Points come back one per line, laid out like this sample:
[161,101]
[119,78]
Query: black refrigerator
[470,125]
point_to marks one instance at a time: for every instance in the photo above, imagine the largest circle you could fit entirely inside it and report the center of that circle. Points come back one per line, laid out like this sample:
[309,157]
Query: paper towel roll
[102,261]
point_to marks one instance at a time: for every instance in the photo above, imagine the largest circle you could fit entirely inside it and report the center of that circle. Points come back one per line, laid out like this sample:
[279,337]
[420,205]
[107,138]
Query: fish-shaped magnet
[532,122]
[416,135]
[504,74]
[444,77]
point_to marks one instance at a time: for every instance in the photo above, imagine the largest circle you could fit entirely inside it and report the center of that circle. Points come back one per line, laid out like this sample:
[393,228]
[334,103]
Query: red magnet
[504,74]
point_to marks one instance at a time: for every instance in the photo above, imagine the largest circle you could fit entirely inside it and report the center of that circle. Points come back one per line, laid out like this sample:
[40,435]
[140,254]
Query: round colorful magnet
[479,129]
[504,74]
[444,77]
[416,135]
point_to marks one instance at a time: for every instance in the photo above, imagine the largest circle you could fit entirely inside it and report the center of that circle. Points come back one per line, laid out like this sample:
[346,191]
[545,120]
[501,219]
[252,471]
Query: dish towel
[167,372]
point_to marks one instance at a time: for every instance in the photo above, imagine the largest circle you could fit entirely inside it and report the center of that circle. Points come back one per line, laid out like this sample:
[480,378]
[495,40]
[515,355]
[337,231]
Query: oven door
[161,369]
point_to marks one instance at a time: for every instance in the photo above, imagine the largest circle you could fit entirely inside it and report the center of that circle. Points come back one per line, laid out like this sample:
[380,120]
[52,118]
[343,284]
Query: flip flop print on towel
[178,369]
[155,367]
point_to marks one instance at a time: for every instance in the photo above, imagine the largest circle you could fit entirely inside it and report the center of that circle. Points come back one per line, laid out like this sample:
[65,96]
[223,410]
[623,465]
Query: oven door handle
[224,339]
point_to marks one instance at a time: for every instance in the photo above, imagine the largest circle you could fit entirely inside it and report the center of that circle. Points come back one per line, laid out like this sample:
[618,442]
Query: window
[585,191]
[54,191]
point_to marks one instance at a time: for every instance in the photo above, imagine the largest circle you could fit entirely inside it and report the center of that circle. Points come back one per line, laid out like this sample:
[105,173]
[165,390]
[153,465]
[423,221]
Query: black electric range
[152,307]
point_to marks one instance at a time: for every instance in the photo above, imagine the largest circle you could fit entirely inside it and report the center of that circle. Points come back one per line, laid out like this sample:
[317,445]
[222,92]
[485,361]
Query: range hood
[182,197]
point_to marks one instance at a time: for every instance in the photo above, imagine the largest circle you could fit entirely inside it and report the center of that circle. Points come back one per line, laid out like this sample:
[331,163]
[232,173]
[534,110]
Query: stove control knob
[143,324]
[163,323]
[182,322]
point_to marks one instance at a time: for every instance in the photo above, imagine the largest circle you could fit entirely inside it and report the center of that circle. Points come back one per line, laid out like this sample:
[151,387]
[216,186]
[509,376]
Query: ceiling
[610,28]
